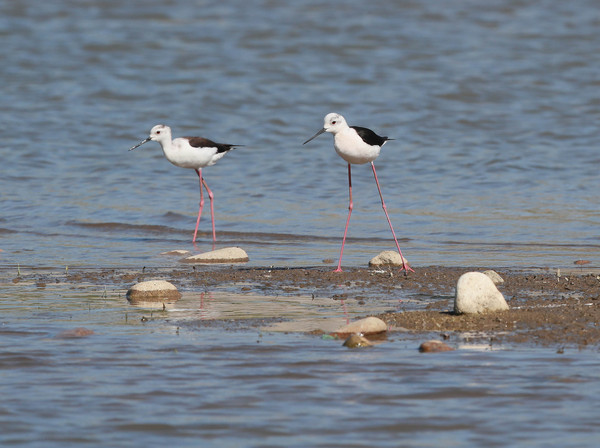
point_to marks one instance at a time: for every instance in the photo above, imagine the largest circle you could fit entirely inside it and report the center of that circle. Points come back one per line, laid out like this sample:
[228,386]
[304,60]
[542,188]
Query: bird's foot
[406,268]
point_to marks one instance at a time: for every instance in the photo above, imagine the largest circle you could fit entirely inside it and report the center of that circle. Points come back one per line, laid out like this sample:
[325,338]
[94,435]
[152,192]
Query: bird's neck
[342,131]
[167,147]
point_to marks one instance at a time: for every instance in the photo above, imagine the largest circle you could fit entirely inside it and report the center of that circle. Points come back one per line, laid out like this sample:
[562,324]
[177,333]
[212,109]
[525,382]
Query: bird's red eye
[333,122]
[158,132]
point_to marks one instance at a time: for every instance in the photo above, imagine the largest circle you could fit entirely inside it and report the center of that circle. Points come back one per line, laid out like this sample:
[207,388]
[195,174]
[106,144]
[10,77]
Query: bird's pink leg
[199,173]
[404,265]
[350,207]
[212,211]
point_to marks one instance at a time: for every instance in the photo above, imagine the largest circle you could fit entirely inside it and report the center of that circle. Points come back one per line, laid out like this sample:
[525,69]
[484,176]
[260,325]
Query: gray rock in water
[494,276]
[387,258]
[357,341]
[368,325]
[153,291]
[225,255]
[476,293]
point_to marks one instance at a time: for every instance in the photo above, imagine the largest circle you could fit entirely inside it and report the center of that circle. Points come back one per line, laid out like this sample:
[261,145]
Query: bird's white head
[159,133]
[333,123]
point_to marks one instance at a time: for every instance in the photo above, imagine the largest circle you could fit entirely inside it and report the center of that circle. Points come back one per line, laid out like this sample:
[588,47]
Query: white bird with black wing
[194,153]
[356,145]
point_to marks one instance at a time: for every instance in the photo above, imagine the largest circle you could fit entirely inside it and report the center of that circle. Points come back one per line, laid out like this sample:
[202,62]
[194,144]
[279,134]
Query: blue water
[493,107]
[494,110]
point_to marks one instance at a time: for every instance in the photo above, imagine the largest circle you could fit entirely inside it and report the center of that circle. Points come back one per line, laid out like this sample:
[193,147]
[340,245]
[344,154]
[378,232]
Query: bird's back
[370,137]
[358,145]
[200,142]
[195,152]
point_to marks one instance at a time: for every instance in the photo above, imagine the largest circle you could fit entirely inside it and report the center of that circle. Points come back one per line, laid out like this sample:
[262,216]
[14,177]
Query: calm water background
[494,107]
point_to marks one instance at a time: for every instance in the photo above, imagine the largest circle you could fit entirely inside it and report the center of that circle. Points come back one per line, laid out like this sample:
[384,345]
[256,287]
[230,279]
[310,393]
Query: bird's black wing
[369,137]
[199,142]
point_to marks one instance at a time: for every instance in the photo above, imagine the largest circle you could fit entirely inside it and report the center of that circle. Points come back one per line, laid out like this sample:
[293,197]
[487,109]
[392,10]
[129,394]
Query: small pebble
[79,332]
[494,276]
[434,346]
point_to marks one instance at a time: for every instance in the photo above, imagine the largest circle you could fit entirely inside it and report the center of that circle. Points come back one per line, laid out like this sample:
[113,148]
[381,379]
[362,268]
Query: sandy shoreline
[546,308]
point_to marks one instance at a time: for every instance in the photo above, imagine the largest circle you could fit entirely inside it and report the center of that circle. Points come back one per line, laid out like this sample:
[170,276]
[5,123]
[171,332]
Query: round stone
[357,341]
[387,258]
[368,325]
[476,293]
[153,291]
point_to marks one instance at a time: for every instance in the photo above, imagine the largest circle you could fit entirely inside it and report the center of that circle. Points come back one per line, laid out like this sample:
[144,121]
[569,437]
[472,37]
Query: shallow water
[493,107]
[200,373]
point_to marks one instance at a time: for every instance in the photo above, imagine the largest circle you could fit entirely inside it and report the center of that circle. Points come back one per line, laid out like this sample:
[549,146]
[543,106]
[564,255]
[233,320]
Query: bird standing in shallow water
[194,153]
[356,145]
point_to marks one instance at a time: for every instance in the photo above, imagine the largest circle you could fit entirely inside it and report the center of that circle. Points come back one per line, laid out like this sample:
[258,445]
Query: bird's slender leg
[404,265]
[212,211]
[199,173]
[350,207]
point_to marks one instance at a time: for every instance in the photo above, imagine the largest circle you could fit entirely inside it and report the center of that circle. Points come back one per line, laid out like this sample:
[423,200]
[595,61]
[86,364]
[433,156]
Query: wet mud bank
[547,307]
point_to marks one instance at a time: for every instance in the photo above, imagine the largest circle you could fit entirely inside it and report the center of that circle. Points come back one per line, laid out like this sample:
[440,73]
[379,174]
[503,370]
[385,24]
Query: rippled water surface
[191,376]
[494,110]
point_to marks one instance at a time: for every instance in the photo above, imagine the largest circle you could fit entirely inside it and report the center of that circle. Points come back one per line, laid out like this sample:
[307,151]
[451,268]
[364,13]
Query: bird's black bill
[140,143]
[314,136]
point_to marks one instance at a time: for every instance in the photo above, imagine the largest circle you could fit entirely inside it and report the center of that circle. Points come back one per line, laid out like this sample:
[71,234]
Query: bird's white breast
[180,153]
[353,149]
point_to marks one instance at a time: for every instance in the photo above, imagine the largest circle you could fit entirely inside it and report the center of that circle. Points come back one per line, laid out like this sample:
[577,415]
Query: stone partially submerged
[477,293]
[224,255]
[434,346]
[357,341]
[153,291]
[74,333]
[179,252]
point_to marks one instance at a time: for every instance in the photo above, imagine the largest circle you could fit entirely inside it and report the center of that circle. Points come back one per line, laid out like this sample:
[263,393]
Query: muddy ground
[546,307]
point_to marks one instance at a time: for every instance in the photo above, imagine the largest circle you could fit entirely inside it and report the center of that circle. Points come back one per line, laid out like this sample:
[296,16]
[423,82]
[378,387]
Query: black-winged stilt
[356,145]
[190,152]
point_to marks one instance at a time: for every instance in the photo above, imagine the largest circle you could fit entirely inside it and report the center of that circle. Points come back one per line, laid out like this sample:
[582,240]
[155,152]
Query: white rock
[368,325]
[494,276]
[225,255]
[476,293]
[387,258]
[153,291]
